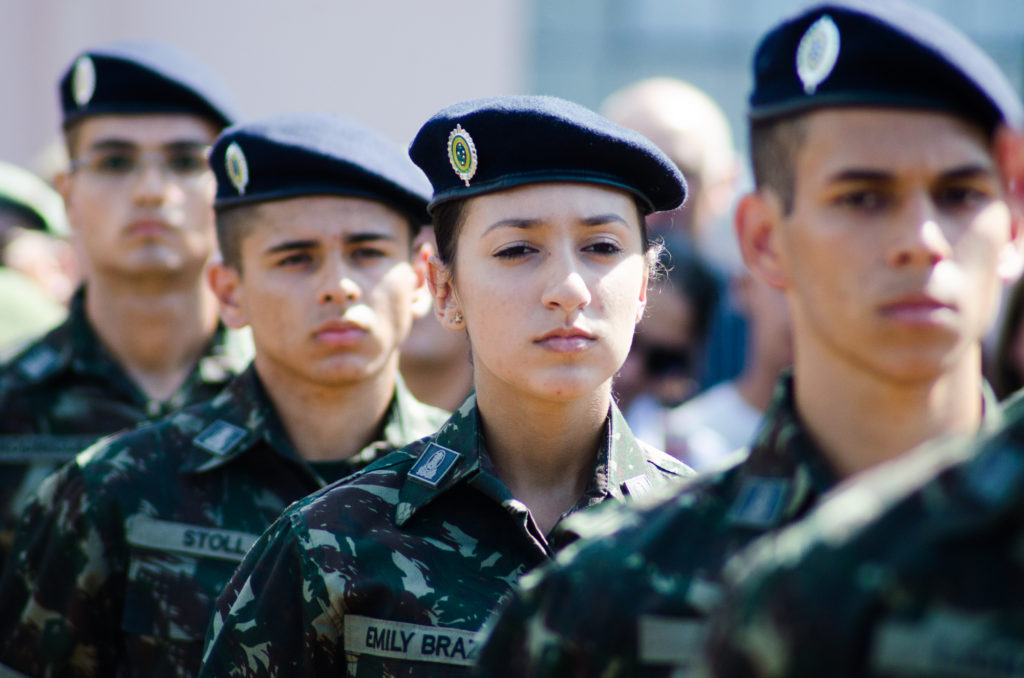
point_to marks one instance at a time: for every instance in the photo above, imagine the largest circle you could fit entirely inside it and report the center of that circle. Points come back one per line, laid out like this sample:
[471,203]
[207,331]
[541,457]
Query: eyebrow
[970,171]
[354,239]
[596,220]
[126,145]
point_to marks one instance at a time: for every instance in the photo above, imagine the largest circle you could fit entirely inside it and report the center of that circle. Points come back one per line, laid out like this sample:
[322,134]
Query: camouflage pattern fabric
[646,577]
[119,559]
[914,570]
[393,571]
[64,391]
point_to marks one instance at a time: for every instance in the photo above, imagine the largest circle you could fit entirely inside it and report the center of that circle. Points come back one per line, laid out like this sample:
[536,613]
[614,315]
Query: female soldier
[543,260]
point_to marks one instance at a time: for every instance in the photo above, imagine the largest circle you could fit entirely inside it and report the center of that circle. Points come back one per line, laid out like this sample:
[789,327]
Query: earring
[457,318]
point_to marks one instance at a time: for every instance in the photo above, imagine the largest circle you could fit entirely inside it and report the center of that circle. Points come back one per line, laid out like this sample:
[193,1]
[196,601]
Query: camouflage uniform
[393,571]
[123,553]
[913,571]
[65,390]
[645,577]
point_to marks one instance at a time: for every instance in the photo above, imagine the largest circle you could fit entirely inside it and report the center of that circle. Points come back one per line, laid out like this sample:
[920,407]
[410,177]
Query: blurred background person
[435,362]
[37,265]
[1005,370]
[692,130]
[661,370]
[725,418]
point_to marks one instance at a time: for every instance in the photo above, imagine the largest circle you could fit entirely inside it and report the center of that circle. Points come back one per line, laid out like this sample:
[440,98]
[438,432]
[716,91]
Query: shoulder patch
[434,464]
[39,362]
[220,437]
[760,502]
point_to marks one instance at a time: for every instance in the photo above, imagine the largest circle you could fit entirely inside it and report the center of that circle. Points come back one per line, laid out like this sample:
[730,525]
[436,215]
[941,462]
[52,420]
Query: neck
[328,423]
[443,385]
[756,384]
[543,451]
[155,330]
[870,420]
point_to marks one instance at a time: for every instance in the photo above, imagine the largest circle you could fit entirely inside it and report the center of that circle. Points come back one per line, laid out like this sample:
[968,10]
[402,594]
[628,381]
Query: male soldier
[880,210]
[122,553]
[142,337]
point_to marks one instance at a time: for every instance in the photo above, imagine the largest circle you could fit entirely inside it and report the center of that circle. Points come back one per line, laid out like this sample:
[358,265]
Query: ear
[758,219]
[225,281]
[421,299]
[62,182]
[442,289]
[1009,156]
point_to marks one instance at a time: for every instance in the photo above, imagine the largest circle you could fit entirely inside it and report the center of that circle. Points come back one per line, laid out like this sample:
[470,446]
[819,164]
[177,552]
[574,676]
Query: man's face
[327,287]
[889,256]
[139,195]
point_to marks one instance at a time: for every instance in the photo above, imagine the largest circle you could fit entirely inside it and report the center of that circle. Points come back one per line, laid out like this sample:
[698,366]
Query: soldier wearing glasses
[142,337]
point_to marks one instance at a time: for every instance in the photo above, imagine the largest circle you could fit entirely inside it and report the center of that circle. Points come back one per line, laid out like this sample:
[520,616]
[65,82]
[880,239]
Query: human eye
[603,248]
[186,162]
[862,200]
[961,197]
[514,251]
[368,254]
[294,259]
[114,163]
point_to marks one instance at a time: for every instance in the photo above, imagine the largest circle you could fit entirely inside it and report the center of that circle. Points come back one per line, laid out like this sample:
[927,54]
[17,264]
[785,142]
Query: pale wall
[389,63]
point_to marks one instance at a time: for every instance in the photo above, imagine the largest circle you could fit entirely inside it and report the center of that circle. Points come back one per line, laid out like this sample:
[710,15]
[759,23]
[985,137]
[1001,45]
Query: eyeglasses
[181,164]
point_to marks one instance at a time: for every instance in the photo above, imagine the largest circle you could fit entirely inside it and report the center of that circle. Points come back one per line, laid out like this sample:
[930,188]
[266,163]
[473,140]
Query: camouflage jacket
[118,560]
[915,570]
[392,571]
[647,576]
[64,391]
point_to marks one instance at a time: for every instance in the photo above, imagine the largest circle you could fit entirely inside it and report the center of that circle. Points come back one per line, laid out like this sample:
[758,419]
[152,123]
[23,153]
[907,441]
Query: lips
[916,308]
[566,340]
[340,333]
[148,227]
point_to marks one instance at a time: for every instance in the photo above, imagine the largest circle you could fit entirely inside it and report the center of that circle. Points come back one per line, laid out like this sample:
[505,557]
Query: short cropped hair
[774,145]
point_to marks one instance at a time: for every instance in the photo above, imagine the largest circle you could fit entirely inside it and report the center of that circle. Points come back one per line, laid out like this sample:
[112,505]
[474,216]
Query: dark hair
[449,216]
[232,226]
[774,144]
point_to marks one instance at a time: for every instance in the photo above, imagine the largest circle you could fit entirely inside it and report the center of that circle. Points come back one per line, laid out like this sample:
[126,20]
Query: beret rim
[417,215]
[525,179]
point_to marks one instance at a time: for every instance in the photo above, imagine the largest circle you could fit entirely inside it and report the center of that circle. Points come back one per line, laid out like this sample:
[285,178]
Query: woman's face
[550,280]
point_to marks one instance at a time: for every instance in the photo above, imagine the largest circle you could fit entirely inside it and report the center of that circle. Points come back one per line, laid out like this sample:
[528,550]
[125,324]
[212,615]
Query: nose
[566,289]
[338,286]
[150,183]
[918,238]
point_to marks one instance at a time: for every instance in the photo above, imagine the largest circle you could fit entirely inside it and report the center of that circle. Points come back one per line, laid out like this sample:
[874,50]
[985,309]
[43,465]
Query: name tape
[196,540]
[414,642]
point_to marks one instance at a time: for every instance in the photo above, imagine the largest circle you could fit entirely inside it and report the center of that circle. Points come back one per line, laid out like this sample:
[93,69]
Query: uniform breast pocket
[176,572]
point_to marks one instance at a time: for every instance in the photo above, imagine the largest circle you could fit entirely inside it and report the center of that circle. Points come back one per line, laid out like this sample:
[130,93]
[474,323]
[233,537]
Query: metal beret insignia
[817,53]
[462,153]
[83,80]
[236,167]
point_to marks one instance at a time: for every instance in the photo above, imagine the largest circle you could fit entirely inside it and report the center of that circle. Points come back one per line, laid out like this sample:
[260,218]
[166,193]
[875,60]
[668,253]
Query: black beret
[142,77]
[494,144]
[880,54]
[287,156]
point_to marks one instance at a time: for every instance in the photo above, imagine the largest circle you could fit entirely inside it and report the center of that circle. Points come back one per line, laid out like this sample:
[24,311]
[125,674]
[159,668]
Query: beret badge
[83,80]
[462,153]
[817,53]
[237,167]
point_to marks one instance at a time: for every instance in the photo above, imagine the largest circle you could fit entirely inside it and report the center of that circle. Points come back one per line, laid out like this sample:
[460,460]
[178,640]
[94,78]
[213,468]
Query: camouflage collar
[243,415]
[233,422]
[786,472]
[456,453]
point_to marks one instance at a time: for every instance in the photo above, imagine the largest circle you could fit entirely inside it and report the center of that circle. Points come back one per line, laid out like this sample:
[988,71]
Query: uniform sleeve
[271,619]
[63,585]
